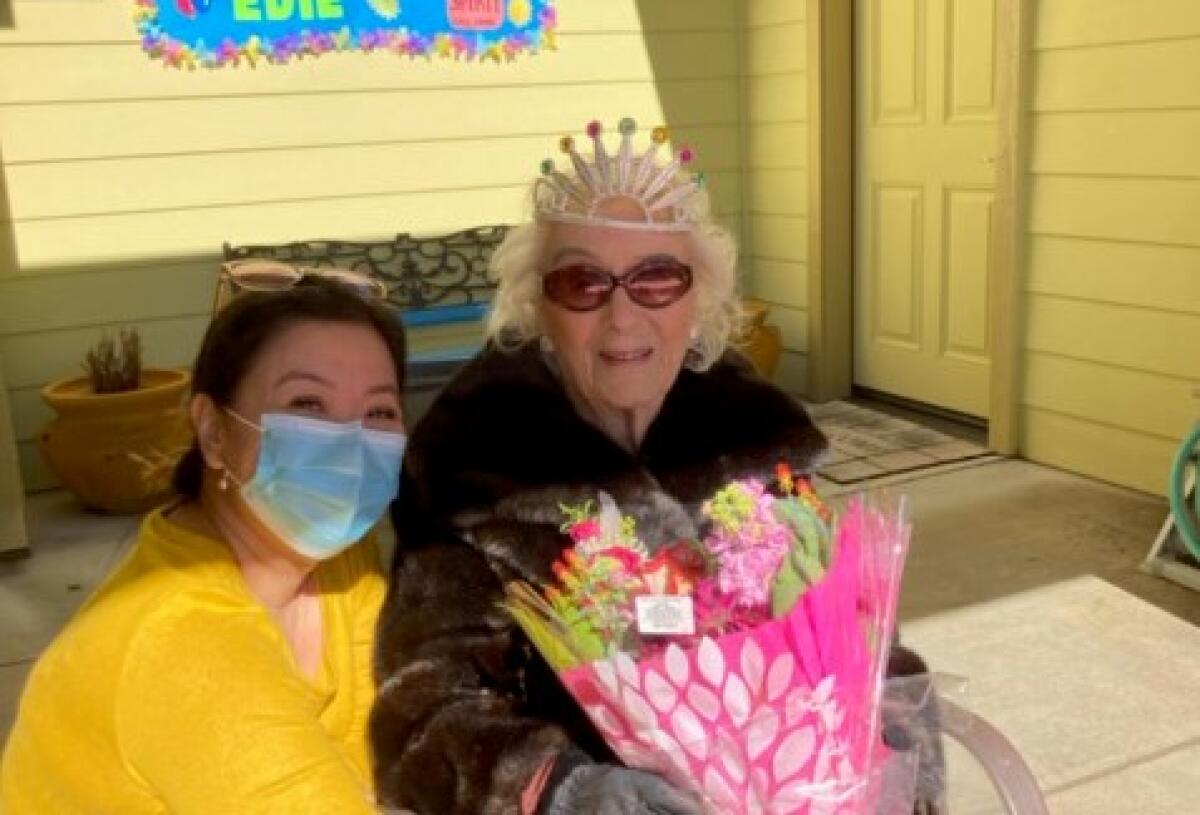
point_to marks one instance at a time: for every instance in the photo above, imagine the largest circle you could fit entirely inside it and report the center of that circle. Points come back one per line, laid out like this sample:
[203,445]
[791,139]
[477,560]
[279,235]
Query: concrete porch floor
[990,541]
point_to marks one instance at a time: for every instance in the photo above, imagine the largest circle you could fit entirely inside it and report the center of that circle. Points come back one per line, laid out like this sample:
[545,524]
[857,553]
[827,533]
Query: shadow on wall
[696,77]
[8,240]
[51,316]
[13,536]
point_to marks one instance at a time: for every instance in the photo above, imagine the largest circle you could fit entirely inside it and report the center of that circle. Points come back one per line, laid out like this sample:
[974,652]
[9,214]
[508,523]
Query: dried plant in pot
[119,429]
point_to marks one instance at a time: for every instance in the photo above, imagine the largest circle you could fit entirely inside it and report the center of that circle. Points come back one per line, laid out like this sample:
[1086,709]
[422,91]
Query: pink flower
[749,543]
[585,530]
[717,611]
[629,561]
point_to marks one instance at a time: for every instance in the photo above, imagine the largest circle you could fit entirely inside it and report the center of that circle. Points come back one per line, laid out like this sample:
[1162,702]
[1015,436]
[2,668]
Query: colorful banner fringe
[216,33]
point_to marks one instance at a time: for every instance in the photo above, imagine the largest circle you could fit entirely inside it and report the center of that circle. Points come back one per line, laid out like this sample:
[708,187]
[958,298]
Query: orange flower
[783,474]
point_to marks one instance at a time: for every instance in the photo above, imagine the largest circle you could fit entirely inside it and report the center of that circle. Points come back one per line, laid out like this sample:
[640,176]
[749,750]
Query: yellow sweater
[173,690]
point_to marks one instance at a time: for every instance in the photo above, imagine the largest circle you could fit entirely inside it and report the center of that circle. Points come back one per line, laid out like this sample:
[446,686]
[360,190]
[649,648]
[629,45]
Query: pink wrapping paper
[781,719]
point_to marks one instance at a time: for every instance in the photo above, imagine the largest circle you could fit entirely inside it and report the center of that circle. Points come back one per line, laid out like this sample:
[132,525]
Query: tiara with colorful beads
[667,194]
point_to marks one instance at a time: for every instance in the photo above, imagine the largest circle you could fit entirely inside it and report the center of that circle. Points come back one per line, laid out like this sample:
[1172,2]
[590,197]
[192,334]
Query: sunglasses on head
[260,275]
[653,283]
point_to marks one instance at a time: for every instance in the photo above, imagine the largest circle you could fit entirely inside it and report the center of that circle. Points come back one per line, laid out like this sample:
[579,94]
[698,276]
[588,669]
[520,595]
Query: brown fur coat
[466,708]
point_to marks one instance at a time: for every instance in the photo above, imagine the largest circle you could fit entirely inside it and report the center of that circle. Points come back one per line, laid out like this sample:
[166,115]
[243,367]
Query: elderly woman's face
[620,356]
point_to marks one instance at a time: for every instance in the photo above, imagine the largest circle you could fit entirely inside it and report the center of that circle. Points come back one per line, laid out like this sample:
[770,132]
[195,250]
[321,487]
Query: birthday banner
[215,33]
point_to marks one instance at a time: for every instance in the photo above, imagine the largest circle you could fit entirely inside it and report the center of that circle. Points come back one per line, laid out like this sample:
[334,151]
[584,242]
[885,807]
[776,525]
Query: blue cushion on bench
[443,315]
[460,353]
[432,369]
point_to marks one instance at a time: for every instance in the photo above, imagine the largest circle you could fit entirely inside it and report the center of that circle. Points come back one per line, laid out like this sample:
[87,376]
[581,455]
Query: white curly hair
[514,318]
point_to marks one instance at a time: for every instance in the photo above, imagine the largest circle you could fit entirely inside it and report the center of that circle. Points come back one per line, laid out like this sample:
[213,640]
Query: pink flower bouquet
[746,667]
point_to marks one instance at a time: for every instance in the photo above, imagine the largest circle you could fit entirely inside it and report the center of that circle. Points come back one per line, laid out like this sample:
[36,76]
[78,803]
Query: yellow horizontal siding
[772,50]
[779,192]
[98,296]
[99,187]
[1137,274]
[1134,76]
[30,360]
[1112,321]
[781,281]
[777,146]
[164,233]
[38,132]
[777,98]
[1134,400]
[106,71]
[775,196]
[649,17]
[780,237]
[773,13]
[122,178]
[1131,459]
[1150,210]
[778,285]
[1143,339]
[1098,143]
[1074,23]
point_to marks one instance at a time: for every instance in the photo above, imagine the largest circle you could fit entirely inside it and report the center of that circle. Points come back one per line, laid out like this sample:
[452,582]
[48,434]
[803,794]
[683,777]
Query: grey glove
[601,789]
[912,722]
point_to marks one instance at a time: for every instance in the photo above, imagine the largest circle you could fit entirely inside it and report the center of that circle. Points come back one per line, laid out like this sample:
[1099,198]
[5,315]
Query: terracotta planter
[760,342]
[117,451]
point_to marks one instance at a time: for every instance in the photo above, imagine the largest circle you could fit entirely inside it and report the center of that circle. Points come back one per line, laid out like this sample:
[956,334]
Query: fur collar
[504,442]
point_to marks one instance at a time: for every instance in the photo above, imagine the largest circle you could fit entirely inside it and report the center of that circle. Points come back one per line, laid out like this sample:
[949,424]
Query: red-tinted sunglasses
[653,283]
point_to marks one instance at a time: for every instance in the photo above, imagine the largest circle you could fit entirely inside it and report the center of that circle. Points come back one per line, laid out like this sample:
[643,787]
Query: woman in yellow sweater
[225,667]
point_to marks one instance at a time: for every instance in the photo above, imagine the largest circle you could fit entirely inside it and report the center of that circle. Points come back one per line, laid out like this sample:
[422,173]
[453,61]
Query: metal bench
[437,280]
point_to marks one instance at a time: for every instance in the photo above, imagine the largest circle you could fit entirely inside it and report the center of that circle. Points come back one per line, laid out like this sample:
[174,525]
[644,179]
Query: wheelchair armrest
[1009,773]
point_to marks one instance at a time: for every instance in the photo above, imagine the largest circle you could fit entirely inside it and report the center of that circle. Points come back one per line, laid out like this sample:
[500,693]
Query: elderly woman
[608,368]
[226,665]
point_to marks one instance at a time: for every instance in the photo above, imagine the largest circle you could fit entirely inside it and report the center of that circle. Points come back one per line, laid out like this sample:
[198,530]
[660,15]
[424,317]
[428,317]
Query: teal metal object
[1187,463]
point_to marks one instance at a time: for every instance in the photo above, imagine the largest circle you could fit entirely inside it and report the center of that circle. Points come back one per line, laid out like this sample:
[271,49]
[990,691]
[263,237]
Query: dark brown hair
[239,332]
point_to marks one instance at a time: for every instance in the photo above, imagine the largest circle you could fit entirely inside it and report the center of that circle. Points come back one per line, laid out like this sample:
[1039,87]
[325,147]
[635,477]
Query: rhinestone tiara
[667,194]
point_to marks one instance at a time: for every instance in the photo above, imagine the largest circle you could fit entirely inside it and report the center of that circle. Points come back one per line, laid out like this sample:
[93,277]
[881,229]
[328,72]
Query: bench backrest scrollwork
[431,280]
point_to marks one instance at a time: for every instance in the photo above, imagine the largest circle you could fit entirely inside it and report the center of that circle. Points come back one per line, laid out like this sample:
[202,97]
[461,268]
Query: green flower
[731,507]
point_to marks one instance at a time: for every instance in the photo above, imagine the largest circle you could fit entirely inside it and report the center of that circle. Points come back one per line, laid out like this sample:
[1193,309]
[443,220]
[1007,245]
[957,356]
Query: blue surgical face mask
[320,486]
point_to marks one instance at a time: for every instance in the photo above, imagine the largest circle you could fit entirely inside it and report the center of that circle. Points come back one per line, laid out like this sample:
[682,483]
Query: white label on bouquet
[665,614]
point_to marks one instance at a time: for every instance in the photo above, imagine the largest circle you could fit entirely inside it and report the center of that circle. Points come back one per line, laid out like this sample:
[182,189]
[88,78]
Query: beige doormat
[867,446]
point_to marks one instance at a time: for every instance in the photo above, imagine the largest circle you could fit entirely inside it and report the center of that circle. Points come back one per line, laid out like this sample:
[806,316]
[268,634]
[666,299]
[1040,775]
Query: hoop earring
[223,481]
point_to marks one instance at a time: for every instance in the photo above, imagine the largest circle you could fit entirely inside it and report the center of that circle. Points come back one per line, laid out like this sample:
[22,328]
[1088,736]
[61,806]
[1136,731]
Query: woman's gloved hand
[602,789]
[912,722]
